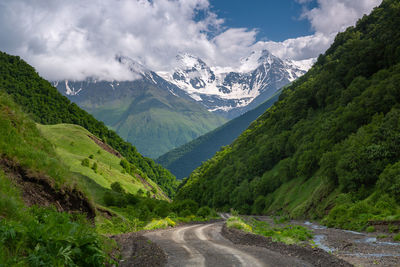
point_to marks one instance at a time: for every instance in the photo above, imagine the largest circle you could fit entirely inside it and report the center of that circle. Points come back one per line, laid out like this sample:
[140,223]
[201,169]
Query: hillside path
[203,245]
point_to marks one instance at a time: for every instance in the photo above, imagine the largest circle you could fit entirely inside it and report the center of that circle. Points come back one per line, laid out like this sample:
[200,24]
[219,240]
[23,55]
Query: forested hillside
[183,160]
[48,106]
[330,148]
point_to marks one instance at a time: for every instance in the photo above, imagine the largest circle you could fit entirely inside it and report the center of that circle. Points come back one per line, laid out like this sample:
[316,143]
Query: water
[315,226]
[318,241]
[374,241]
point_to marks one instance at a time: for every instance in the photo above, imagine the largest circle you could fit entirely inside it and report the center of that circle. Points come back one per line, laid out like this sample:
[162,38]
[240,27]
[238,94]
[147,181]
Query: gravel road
[203,245]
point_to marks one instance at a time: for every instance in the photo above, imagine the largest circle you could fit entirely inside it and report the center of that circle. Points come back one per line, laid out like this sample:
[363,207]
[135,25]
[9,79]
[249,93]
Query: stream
[358,248]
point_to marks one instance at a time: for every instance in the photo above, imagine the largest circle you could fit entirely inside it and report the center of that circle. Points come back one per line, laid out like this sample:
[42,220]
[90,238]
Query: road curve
[203,245]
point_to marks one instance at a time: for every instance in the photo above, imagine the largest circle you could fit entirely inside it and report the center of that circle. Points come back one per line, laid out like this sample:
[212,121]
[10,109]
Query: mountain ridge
[329,149]
[182,160]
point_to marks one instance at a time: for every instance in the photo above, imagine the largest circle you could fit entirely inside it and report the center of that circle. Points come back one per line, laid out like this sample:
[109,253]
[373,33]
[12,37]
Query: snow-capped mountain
[226,91]
[229,92]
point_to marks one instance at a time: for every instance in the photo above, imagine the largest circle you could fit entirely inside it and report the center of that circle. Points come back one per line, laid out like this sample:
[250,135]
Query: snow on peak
[70,91]
[132,65]
[232,88]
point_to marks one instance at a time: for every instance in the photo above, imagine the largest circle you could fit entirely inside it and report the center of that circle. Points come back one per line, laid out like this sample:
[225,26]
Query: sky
[77,39]
[275,20]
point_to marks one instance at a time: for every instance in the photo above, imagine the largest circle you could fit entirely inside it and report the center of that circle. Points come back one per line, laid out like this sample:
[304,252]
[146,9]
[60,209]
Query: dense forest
[330,145]
[47,106]
[182,160]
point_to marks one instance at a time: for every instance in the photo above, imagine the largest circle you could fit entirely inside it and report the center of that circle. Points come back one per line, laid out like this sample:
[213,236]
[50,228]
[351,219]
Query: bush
[258,206]
[132,199]
[185,213]
[85,162]
[370,229]
[162,209]
[186,204]
[389,181]
[116,187]
[109,199]
[159,224]
[204,212]
[94,167]
[140,192]
[236,222]
[396,237]
[49,238]
[91,156]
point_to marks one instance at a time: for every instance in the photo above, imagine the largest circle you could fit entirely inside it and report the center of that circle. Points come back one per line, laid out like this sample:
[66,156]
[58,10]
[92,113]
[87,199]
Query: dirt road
[203,245]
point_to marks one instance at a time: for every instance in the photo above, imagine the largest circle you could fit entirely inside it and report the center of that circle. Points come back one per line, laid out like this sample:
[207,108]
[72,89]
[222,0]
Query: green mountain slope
[330,148]
[183,160]
[73,144]
[47,106]
[32,174]
[145,114]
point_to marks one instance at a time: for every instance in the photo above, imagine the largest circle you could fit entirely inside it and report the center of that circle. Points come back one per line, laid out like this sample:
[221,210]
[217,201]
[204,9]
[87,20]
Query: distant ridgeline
[47,106]
[330,148]
[183,160]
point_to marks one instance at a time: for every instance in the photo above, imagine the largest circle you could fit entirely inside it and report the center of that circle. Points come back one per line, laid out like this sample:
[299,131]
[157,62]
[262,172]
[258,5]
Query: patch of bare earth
[138,250]
[105,146]
[39,189]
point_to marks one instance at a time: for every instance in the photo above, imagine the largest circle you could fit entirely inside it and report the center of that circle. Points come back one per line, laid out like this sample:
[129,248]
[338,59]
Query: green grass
[21,142]
[73,145]
[288,234]
[160,224]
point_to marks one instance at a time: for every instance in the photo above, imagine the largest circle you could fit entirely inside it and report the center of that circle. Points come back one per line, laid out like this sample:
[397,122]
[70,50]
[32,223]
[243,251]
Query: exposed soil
[314,256]
[39,189]
[105,146]
[138,250]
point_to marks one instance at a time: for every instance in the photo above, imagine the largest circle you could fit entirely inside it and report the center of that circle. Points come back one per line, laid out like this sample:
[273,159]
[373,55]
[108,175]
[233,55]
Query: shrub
[116,186]
[162,209]
[94,167]
[186,204]
[204,212]
[259,205]
[396,237]
[159,224]
[185,213]
[389,181]
[140,192]
[236,222]
[109,199]
[85,162]
[132,199]
[49,238]
[370,229]
[91,156]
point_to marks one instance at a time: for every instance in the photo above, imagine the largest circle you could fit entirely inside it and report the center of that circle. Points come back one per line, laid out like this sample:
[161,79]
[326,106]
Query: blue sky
[276,20]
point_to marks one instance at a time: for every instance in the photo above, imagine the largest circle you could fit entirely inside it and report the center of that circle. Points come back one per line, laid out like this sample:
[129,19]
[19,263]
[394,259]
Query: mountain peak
[132,65]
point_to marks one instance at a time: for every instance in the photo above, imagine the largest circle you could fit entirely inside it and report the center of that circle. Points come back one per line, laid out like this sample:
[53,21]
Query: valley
[202,145]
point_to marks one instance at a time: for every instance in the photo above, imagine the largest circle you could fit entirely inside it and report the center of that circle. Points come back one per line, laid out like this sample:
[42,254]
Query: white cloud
[327,19]
[76,39]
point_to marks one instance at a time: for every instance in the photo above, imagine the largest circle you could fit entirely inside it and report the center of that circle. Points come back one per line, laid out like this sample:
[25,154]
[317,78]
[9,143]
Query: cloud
[327,19]
[77,39]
